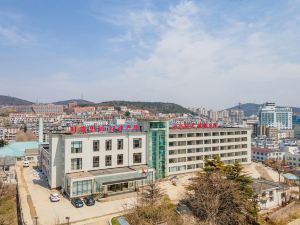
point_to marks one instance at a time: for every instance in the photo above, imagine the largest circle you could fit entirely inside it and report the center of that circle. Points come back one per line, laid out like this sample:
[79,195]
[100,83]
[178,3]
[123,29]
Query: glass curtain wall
[83,187]
[157,145]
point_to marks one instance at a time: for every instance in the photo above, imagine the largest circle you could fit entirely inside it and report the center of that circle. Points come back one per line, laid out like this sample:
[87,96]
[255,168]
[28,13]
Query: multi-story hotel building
[110,162]
[188,148]
[103,163]
[273,116]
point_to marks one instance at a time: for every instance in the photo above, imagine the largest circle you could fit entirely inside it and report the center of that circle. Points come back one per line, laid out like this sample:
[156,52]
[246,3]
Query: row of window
[293,164]
[294,159]
[206,149]
[76,163]
[201,157]
[206,134]
[270,154]
[185,167]
[209,141]
[200,165]
[76,146]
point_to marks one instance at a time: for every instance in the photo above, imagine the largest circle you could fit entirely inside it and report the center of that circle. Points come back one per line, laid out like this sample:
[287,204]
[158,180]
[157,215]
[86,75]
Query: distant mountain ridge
[156,107]
[8,101]
[78,101]
[252,108]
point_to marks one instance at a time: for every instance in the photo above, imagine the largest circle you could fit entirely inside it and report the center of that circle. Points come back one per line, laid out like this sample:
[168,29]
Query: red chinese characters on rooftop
[112,128]
[191,126]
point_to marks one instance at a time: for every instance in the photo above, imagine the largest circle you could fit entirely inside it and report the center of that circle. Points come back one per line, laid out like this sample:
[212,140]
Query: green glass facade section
[157,142]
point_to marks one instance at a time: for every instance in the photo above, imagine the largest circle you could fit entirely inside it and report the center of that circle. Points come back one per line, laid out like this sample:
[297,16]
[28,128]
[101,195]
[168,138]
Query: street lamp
[68,220]
[36,220]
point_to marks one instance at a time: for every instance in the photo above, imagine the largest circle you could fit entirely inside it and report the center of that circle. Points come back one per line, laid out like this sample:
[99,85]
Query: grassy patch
[8,207]
[114,221]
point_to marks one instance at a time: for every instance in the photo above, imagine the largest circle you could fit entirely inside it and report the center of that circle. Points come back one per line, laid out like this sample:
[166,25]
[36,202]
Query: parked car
[77,202]
[89,200]
[54,197]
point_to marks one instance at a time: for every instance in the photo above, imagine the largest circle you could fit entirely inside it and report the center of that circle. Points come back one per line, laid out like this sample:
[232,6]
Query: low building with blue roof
[17,149]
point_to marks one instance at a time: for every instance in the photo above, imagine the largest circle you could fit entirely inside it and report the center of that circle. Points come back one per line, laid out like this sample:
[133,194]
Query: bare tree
[21,136]
[28,136]
[154,208]
[152,194]
[218,201]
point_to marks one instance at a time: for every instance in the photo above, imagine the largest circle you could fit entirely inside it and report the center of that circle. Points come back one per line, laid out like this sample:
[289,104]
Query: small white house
[270,194]
[7,169]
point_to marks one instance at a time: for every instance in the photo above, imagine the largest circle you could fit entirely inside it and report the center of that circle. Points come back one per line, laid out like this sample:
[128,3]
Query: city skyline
[188,52]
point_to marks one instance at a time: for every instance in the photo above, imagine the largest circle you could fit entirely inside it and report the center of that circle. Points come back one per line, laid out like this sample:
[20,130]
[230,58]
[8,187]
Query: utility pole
[36,220]
[68,220]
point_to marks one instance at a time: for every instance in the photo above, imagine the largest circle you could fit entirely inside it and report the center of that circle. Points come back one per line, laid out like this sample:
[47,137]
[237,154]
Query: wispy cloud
[13,35]
[188,52]
[11,31]
[192,62]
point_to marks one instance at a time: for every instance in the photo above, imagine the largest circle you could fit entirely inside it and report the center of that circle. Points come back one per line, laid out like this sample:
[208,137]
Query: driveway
[50,213]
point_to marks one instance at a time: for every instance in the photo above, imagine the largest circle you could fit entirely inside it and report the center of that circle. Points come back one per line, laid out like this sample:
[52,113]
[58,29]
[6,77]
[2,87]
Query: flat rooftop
[94,173]
[178,130]
[260,185]
[104,133]
[17,149]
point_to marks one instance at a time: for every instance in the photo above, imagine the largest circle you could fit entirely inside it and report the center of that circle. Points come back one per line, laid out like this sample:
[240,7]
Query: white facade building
[292,156]
[108,163]
[270,194]
[80,163]
[272,116]
[188,148]
[263,154]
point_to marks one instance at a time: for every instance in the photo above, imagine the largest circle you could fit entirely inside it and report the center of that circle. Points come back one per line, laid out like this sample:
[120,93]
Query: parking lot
[50,213]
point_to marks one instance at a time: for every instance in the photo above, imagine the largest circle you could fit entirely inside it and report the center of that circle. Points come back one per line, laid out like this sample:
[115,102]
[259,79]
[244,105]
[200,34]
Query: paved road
[54,213]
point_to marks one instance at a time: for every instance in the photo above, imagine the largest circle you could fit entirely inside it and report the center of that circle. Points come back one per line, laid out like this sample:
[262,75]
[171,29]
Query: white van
[25,163]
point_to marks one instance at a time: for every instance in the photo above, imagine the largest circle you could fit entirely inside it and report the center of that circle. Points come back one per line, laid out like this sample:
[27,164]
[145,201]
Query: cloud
[195,64]
[12,35]
[11,31]
[190,52]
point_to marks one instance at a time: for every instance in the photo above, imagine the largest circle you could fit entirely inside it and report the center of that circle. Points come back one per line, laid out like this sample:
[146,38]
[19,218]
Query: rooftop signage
[191,126]
[110,128]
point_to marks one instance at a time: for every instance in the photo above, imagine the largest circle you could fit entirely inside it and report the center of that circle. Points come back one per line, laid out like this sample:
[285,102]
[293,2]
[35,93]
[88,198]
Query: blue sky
[196,53]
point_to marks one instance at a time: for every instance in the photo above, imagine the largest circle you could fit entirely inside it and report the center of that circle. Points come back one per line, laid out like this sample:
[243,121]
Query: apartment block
[263,154]
[48,109]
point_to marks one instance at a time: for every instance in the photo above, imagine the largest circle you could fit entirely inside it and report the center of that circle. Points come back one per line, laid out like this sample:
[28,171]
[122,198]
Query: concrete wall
[56,148]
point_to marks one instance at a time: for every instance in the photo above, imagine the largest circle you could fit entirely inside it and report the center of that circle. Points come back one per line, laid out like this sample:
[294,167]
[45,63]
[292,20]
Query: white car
[54,197]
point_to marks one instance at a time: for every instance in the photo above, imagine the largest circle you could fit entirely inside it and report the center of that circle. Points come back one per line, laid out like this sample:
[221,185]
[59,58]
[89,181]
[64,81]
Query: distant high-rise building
[236,116]
[296,119]
[273,116]
[212,115]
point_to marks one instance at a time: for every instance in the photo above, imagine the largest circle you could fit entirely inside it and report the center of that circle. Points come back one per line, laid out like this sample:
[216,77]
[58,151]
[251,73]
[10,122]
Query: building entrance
[121,187]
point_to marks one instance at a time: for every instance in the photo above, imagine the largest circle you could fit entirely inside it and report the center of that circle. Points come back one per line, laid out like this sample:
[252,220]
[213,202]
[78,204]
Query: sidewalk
[27,207]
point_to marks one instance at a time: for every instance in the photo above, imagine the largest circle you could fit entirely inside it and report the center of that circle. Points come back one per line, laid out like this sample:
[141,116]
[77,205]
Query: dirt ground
[8,207]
